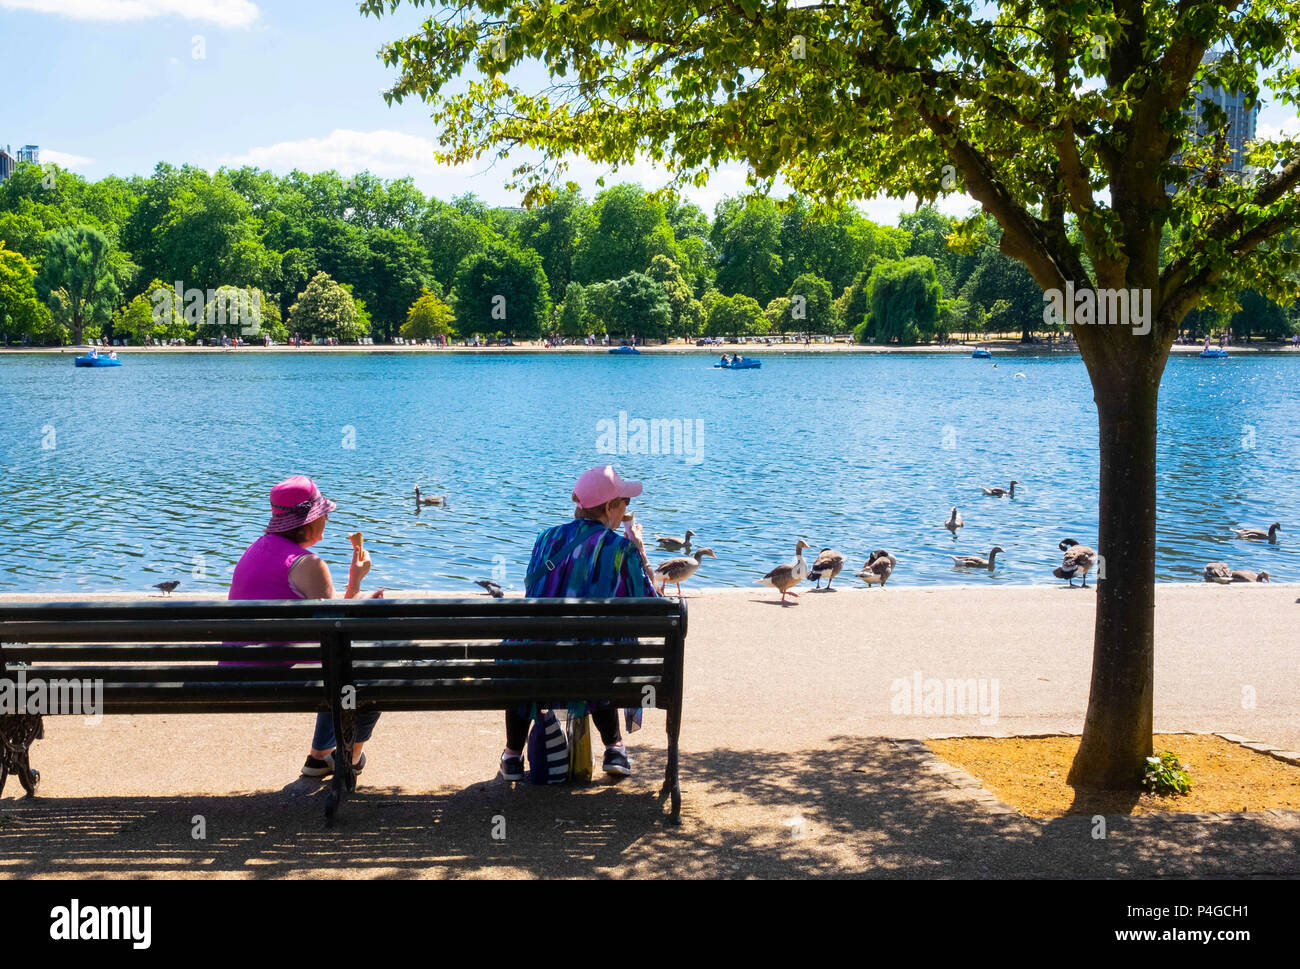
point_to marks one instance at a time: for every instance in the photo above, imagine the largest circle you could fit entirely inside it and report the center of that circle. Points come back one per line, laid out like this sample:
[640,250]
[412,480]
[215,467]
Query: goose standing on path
[954,522]
[1259,534]
[1079,559]
[828,565]
[880,565]
[671,543]
[975,562]
[678,570]
[1001,492]
[786,577]
[1245,575]
[431,500]
[1217,572]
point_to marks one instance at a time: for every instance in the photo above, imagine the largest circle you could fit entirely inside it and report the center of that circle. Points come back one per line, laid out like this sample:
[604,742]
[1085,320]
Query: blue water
[117,479]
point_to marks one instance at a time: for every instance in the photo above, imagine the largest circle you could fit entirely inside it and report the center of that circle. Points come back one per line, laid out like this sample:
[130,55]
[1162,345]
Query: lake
[119,478]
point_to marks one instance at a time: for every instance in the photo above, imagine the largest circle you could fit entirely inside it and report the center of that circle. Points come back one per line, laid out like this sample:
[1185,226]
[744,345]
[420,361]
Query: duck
[1079,559]
[431,500]
[167,587]
[1001,492]
[878,568]
[1217,572]
[829,564]
[786,577]
[671,543]
[954,521]
[975,562]
[1245,575]
[494,590]
[680,569]
[1259,534]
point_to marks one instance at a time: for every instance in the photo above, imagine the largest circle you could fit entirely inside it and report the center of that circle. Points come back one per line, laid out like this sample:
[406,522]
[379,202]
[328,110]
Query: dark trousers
[606,722]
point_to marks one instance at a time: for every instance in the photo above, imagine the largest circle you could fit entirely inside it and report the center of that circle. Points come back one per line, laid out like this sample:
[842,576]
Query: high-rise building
[30,153]
[7,163]
[1239,124]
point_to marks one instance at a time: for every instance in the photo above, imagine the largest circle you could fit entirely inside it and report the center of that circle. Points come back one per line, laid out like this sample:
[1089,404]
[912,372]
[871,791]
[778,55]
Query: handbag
[548,753]
[580,748]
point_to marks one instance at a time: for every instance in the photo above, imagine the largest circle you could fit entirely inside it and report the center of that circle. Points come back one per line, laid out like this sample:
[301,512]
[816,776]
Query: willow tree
[1072,126]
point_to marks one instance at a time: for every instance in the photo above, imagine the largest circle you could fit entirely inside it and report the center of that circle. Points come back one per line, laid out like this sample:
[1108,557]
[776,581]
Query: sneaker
[360,765]
[512,767]
[319,768]
[616,762]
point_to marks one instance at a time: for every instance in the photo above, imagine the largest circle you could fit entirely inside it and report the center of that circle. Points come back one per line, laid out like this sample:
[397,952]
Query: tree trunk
[77,329]
[1117,730]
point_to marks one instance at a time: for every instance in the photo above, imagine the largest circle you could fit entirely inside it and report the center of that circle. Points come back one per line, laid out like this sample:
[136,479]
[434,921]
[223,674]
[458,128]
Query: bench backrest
[406,654]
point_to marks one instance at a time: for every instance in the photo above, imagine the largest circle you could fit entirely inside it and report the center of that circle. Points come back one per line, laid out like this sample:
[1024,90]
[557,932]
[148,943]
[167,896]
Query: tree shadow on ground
[856,807]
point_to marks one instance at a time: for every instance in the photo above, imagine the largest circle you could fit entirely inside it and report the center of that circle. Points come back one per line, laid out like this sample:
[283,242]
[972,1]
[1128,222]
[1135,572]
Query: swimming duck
[1245,575]
[678,570]
[829,563]
[1217,572]
[954,522]
[1079,559]
[1001,492]
[671,543]
[879,566]
[1259,534]
[786,577]
[432,500]
[975,562]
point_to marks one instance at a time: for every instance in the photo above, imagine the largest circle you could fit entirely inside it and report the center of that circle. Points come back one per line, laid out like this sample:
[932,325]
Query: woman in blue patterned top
[587,558]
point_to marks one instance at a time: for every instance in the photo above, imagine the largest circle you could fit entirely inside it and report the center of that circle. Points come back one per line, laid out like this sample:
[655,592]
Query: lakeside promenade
[787,765]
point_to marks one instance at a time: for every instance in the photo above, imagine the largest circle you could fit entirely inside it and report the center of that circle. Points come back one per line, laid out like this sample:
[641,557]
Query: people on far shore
[279,566]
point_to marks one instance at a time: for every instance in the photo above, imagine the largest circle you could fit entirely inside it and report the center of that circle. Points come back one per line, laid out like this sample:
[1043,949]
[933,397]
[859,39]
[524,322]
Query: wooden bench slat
[310,652]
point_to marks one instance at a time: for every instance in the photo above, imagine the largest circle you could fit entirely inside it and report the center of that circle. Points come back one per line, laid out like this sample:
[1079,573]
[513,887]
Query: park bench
[160,657]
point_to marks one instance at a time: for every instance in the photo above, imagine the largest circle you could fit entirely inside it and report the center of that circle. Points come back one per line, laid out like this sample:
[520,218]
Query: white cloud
[223,13]
[64,160]
[389,154]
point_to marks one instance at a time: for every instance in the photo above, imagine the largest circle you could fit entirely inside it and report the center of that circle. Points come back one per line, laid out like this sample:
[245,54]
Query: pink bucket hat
[297,501]
[600,485]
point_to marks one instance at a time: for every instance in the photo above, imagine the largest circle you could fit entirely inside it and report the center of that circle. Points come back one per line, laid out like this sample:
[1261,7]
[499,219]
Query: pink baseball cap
[600,485]
[297,501]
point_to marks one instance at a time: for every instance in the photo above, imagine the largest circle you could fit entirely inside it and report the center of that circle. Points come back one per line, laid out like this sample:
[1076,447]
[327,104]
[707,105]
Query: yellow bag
[580,748]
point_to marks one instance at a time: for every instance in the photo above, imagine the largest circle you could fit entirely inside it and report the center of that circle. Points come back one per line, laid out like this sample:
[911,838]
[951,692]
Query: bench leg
[671,786]
[345,778]
[17,732]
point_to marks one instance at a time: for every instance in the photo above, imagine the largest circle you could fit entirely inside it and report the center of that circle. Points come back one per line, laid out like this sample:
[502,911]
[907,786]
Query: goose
[1001,492]
[829,564]
[671,543]
[786,577]
[1079,559]
[494,590]
[1217,572]
[167,587]
[678,570]
[879,566]
[954,522]
[1245,575]
[432,500]
[1259,534]
[975,562]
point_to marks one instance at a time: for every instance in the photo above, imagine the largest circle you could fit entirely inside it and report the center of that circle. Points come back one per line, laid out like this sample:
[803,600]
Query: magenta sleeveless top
[263,573]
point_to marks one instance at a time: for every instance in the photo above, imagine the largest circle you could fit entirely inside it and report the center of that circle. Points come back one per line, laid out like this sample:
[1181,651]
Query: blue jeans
[323,738]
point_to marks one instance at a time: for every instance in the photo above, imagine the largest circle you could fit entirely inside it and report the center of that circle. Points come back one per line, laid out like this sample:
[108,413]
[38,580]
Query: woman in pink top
[278,566]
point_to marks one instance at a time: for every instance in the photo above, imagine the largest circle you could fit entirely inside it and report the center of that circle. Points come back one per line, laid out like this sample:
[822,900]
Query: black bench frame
[393,654]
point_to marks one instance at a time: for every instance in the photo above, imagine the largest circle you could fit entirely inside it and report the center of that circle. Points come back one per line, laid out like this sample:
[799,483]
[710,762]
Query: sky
[116,86]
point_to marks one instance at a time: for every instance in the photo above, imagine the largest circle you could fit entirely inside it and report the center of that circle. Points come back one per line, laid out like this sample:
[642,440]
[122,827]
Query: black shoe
[512,768]
[360,765]
[319,768]
[616,762]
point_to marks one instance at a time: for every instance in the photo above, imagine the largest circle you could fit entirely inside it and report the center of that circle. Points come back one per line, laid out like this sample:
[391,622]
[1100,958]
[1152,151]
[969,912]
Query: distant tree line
[326,256]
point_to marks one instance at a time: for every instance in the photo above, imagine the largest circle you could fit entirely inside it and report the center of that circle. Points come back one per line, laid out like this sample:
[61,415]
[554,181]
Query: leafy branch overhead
[1066,123]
